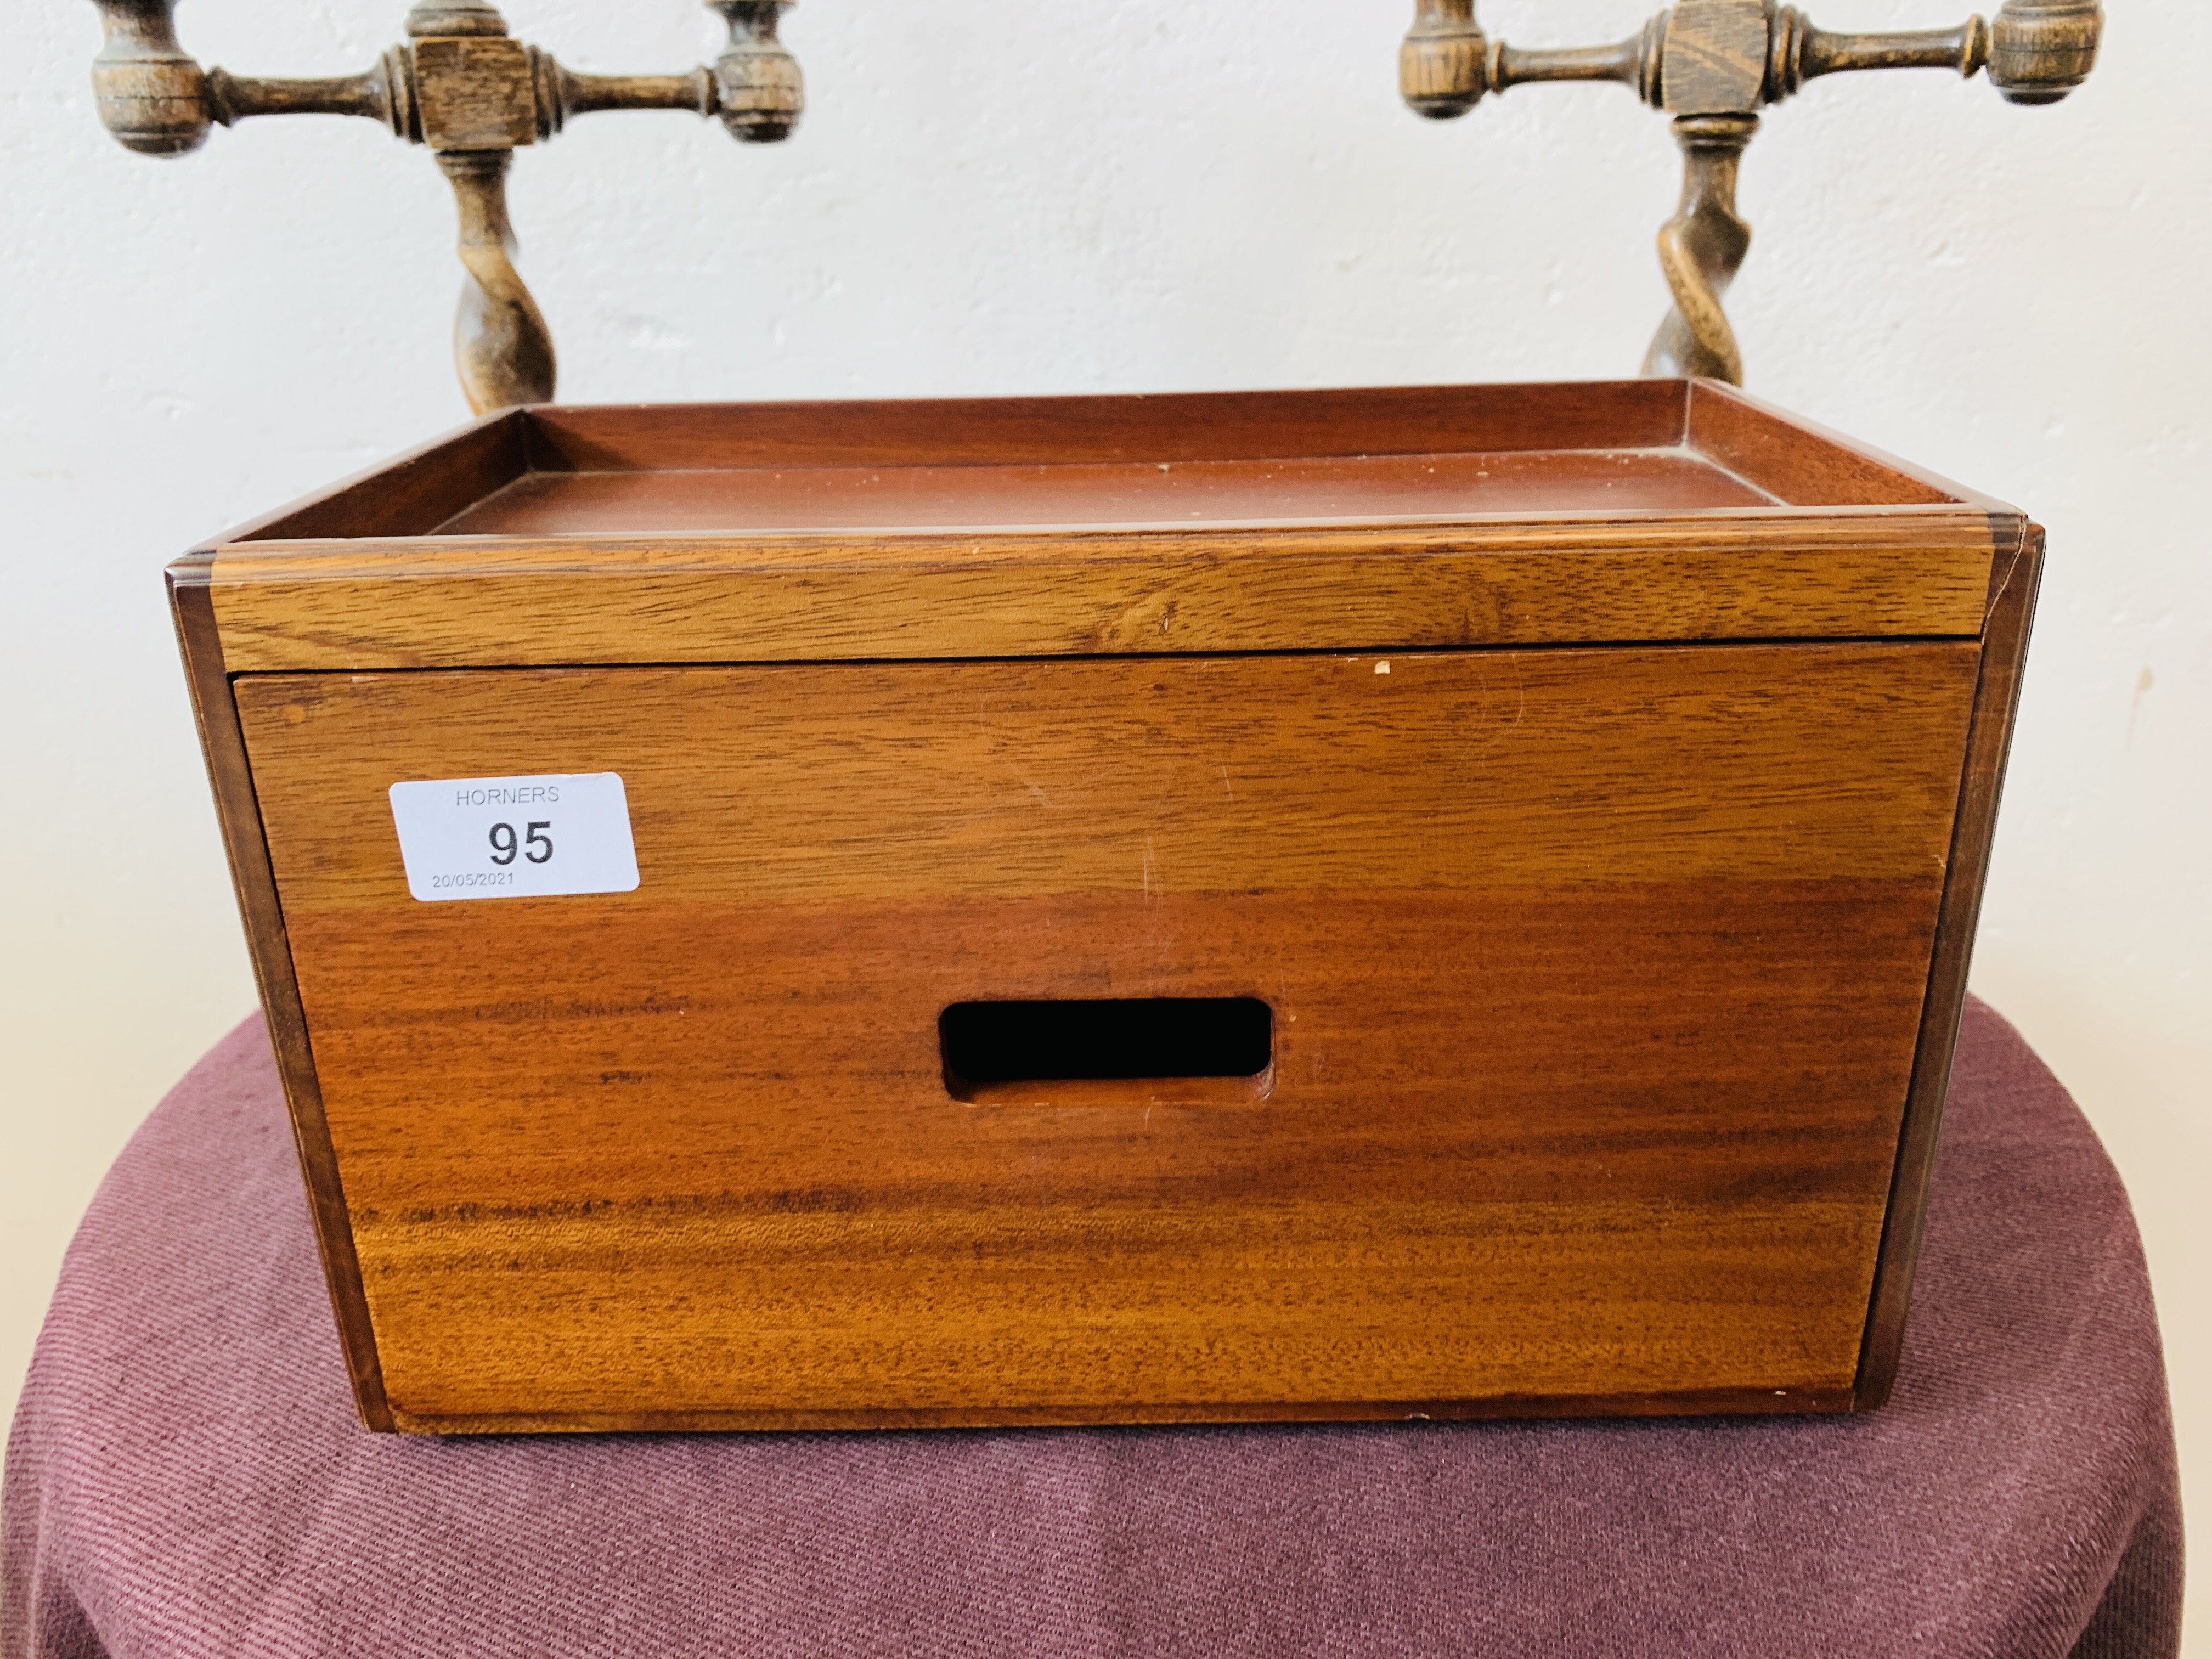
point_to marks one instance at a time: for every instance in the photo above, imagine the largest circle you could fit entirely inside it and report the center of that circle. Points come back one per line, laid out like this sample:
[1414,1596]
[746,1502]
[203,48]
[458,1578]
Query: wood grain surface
[1386,519]
[1176,427]
[1597,977]
[410,494]
[415,603]
[2014,586]
[230,772]
[1808,466]
[1316,489]
[1605,1053]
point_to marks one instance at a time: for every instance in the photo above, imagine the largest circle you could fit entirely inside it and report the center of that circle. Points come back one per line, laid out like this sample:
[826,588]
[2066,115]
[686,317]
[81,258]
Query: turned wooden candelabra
[1714,64]
[461,87]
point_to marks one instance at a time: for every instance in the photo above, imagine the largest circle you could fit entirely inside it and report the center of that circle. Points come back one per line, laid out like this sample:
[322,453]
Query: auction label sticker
[543,837]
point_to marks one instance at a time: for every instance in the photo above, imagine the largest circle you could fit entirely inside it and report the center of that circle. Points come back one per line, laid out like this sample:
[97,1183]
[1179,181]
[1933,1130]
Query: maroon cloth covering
[186,1475]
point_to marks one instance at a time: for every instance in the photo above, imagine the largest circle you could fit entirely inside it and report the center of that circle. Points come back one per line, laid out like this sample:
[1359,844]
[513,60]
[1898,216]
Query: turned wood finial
[1443,67]
[762,92]
[2041,50]
[149,92]
[462,87]
[431,18]
[1713,64]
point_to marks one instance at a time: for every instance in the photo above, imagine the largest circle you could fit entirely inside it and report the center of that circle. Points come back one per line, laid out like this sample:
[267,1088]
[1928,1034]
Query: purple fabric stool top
[186,1477]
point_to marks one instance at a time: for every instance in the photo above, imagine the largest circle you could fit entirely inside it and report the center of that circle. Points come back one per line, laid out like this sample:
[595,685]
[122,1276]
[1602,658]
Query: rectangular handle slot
[1124,1051]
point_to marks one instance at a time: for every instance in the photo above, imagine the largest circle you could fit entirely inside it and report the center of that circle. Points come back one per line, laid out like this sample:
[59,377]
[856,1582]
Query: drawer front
[1594,979]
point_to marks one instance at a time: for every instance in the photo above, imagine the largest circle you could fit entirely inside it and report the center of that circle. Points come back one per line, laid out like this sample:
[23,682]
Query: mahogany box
[1308,905]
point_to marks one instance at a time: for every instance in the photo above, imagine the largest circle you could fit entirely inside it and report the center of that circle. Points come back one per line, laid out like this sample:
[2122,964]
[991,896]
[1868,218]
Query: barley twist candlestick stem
[501,343]
[1713,64]
[472,96]
[1701,249]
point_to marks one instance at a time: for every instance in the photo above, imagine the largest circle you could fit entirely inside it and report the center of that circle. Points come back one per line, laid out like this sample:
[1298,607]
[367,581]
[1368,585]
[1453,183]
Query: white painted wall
[1002,196]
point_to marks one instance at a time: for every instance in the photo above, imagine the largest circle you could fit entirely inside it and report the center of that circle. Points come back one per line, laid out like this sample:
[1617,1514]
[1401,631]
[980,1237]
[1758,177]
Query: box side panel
[215,713]
[1804,464]
[1596,978]
[1203,426]
[410,495]
[2014,586]
[1084,593]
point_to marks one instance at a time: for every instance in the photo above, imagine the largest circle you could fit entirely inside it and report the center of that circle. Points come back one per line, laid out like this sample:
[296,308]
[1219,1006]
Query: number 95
[504,845]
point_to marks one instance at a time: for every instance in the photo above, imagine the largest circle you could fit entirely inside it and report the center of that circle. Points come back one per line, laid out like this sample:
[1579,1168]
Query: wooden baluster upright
[1701,249]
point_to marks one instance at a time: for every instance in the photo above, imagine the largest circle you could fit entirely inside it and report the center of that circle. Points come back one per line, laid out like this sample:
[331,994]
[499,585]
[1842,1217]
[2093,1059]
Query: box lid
[1396,518]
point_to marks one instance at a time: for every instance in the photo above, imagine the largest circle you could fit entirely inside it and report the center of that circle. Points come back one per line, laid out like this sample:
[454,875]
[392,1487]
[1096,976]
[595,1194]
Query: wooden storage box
[1531,835]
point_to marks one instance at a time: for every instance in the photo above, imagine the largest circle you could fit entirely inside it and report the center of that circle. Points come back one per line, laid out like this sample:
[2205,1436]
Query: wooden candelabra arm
[461,86]
[1800,52]
[2036,52]
[1714,64]
[382,94]
[755,86]
[1447,65]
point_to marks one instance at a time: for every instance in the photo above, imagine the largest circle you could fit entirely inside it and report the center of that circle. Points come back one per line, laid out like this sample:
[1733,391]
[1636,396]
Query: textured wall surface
[1137,195]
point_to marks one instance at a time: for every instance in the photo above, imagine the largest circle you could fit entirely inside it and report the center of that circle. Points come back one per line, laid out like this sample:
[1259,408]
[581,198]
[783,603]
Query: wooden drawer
[1518,1024]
